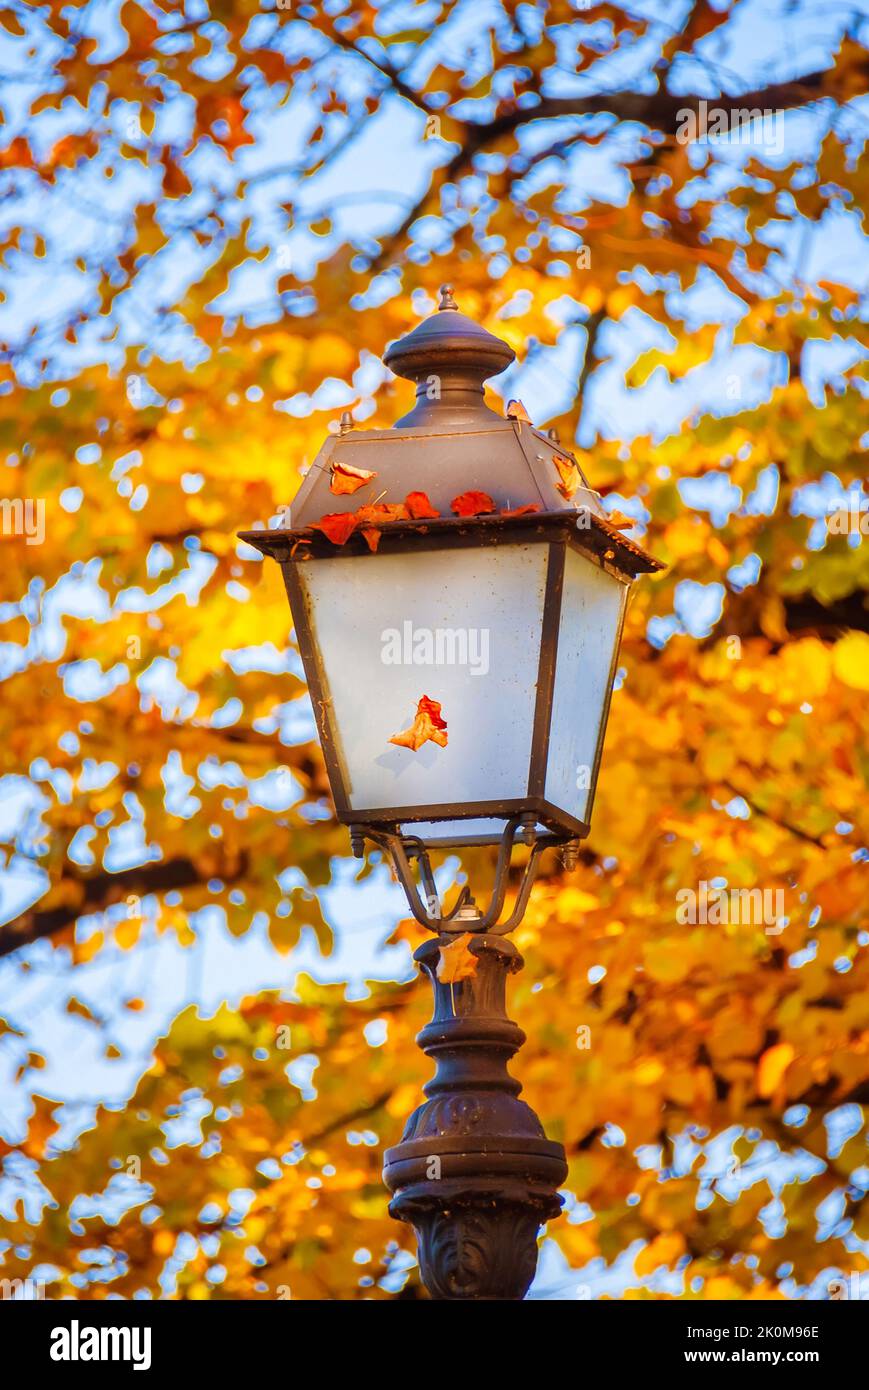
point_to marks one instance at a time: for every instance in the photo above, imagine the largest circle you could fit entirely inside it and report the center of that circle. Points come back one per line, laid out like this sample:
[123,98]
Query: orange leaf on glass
[347,479]
[337,527]
[472,504]
[427,726]
[419,506]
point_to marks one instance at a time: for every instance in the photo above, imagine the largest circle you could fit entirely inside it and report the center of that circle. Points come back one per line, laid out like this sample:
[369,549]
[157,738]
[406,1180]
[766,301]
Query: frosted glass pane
[591,615]
[461,626]
[489,829]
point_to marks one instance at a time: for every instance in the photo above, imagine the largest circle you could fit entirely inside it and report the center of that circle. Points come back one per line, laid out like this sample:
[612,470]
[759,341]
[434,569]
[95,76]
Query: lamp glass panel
[592,605]
[472,830]
[462,626]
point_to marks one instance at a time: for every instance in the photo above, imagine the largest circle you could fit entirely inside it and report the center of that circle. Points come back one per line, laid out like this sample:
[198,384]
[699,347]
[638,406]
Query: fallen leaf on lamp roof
[347,479]
[419,506]
[522,511]
[378,512]
[517,411]
[457,961]
[472,504]
[427,726]
[568,474]
[338,527]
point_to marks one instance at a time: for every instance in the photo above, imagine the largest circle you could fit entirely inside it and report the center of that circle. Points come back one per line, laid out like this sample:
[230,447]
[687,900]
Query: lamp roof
[450,444]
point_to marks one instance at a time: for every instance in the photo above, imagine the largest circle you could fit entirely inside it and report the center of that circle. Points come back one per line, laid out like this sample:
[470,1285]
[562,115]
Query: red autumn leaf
[427,725]
[338,527]
[472,504]
[419,506]
[372,537]
[379,512]
[568,474]
[346,479]
[523,511]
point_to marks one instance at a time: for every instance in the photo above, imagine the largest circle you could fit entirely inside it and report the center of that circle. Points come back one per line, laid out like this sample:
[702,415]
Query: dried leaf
[346,479]
[337,527]
[522,511]
[427,726]
[380,512]
[568,474]
[418,506]
[457,961]
[472,504]
[517,411]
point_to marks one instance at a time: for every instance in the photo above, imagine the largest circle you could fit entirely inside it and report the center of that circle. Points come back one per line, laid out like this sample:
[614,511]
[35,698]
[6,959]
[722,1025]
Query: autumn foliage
[188,304]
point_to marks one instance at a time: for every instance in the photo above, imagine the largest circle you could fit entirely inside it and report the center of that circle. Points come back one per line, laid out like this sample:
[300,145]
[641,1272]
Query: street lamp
[458,594]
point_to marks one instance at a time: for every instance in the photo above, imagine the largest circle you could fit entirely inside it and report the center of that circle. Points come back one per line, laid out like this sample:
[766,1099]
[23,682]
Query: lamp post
[458,596]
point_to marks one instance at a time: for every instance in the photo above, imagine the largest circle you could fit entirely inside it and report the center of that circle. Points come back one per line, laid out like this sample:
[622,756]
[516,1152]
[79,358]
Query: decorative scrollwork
[468,1252]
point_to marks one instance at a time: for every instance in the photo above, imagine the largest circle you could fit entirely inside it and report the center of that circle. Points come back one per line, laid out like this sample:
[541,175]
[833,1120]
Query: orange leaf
[456,961]
[427,725]
[569,475]
[372,537]
[472,504]
[347,479]
[772,1067]
[523,511]
[378,512]
[338,527]
[418,505]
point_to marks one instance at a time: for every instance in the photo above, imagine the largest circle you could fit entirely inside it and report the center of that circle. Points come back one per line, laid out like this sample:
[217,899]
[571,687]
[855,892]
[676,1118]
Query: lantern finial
[449,356]
[447,300]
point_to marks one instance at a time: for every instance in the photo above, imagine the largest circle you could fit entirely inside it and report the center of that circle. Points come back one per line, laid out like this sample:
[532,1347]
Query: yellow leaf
[664,1250]
[457,962]
[851,660]
[647,1073]
[772,1067]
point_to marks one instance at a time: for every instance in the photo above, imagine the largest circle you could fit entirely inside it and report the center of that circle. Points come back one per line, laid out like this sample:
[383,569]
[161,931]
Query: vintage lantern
[458,595]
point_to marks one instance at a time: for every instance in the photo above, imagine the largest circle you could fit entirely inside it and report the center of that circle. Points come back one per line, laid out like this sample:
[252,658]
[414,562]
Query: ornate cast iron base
[474,1172]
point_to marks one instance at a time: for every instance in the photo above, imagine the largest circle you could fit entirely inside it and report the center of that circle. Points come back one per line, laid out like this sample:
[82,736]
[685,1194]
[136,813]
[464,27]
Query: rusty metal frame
[402,849]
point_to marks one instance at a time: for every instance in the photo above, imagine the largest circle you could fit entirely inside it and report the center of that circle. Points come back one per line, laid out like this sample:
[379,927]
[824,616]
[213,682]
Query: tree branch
[99,892]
